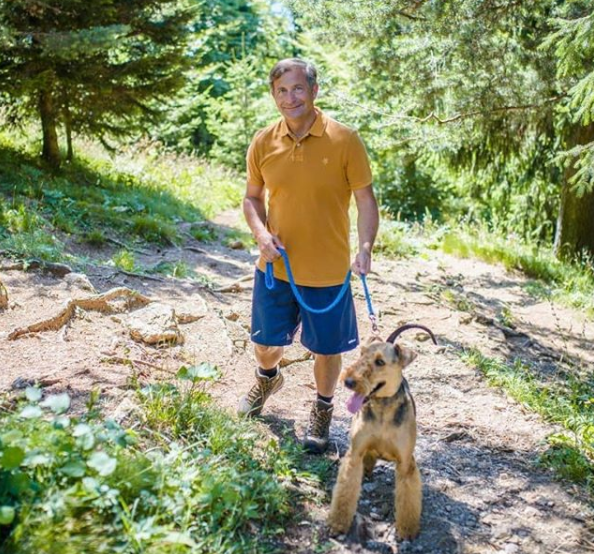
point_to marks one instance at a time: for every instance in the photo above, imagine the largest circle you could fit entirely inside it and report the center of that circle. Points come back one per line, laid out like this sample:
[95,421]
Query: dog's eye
[379,362]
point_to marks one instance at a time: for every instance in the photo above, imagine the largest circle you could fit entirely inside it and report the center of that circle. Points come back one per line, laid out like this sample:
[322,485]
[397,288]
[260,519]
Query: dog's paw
[407,532]
[338,524]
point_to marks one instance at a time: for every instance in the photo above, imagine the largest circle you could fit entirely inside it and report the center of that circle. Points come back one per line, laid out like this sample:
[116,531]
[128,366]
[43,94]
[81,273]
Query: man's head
[294,87]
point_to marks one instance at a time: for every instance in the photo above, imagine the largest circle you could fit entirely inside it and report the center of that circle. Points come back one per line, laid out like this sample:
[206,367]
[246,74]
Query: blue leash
[269,280]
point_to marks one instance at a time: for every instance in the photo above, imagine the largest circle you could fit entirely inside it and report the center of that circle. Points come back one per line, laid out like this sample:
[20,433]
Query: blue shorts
[276,317]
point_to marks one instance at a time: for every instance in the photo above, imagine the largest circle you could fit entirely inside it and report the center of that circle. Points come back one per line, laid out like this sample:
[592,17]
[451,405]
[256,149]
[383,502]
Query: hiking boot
[252,403]
[316,438]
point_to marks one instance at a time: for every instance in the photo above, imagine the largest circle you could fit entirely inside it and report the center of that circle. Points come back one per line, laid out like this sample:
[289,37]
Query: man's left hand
[362,263]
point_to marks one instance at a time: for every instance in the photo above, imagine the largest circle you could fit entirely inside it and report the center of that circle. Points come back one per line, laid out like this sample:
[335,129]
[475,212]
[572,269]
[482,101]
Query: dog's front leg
[409,498]
[346,492]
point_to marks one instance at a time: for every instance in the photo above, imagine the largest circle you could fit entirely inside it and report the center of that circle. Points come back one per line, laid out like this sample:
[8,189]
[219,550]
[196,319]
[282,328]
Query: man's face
[293,97]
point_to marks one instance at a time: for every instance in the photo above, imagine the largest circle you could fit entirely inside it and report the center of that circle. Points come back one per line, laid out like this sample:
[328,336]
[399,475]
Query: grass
[566,399]
[189,478]
[569,283]
[141,195]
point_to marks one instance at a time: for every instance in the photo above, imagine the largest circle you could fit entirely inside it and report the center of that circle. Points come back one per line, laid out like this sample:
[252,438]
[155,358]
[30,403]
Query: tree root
[287,361]
[3,296]
[59,270]
[235,286]
[98,302]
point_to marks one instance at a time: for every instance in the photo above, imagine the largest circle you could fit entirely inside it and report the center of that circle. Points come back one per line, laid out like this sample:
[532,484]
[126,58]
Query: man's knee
[268,350]
[329,357]
[268,356]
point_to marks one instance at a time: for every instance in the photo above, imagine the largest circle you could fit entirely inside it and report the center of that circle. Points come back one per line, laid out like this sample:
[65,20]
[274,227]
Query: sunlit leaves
[102,463]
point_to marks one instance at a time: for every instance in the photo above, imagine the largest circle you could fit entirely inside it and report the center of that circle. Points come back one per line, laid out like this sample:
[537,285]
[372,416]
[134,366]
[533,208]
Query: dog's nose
[350,383]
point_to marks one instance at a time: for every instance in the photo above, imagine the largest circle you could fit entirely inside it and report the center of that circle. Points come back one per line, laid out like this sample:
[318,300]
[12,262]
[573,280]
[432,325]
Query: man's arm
[254,211]
[367,225]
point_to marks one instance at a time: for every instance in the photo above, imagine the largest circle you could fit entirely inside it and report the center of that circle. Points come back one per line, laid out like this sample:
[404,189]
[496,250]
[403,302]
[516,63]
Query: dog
[384,426]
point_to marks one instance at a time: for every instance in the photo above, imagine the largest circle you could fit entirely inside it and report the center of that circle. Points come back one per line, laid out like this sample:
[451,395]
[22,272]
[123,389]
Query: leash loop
[270,283]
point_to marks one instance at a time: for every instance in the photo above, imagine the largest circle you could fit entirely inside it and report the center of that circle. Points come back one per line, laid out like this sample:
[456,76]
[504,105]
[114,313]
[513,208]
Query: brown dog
[384,427]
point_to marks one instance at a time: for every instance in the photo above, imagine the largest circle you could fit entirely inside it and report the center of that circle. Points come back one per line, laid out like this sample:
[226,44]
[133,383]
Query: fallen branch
[141,275]
[124,361]
[195,249]
[235,286]
[98,302]
[60,270]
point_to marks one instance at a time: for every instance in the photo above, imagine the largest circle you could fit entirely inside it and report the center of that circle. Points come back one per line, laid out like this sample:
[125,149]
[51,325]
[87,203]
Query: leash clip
[374,326]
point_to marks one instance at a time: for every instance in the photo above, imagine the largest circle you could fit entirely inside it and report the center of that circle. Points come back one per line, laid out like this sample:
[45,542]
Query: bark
[51,149]
[68,129]
[575,224]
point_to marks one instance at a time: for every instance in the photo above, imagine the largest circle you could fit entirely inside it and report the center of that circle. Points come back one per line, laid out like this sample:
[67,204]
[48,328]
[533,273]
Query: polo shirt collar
[316,130]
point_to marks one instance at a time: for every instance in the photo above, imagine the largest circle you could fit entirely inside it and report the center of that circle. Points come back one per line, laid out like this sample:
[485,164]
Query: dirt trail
[477,448]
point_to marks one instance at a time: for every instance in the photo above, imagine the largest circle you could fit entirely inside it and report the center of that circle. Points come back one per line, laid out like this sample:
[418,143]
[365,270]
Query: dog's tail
[392,338]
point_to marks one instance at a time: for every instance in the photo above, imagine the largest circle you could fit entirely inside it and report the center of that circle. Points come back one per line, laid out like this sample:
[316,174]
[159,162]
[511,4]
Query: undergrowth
[566,399]
[189,478]
[569,283]
[139,196]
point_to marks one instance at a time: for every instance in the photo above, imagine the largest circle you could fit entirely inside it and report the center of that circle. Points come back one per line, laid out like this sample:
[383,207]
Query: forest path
[477,448]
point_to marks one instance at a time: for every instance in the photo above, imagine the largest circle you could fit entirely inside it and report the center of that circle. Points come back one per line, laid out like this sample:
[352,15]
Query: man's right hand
[269,245]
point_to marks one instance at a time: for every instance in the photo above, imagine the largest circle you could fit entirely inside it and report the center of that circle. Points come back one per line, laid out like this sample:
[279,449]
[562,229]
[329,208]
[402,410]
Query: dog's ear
[405,355]
[373,338]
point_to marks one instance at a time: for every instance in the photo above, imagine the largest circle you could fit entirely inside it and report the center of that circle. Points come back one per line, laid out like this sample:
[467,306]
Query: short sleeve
[358,170]
[254,175]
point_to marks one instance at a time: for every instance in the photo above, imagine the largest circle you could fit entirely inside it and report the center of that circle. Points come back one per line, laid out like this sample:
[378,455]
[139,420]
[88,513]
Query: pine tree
[483,87]
[100,68]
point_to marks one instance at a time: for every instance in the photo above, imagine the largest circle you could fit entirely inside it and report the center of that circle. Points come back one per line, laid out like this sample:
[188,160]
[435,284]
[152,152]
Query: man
[310,165]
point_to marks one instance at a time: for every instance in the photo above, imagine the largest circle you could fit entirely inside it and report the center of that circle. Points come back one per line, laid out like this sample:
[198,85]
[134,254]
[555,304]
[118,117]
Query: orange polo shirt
[309,182]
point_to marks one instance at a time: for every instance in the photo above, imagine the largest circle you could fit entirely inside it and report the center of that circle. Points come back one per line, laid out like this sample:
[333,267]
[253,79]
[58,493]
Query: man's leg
[275,320]
[269,380]
[268,356]
[326,372]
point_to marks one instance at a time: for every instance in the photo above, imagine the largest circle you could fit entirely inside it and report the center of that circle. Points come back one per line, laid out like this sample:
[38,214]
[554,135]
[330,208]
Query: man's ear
[405,355]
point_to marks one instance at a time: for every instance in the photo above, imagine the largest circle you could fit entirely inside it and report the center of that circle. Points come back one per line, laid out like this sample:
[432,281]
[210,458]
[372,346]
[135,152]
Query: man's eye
[379,362]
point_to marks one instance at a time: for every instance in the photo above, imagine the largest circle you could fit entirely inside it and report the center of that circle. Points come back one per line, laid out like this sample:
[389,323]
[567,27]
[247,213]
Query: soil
[477,448]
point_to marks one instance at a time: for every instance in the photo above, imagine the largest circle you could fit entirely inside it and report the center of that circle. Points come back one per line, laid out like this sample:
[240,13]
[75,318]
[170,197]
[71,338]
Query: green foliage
[153,229]
[565,399]
[178,270]
[394,239]
[101,69]
[468,109]
[235,43]
[95,237]
[193,480]
[143,193]
[124,259]
[570,282]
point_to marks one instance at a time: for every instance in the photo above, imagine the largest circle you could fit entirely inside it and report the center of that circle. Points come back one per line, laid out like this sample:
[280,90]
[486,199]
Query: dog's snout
[350,383]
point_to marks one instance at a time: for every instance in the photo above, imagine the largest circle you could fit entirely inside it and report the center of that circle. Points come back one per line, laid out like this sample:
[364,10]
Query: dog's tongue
[355,402]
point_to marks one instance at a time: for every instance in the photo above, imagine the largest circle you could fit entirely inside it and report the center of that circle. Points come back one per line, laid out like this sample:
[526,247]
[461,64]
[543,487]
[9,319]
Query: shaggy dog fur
[384,427]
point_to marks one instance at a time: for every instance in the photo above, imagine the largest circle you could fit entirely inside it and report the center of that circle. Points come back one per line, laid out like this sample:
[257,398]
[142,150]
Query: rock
[191,311]
[155,324]
[237,245]
[370,487]
[510,548]
[79,280]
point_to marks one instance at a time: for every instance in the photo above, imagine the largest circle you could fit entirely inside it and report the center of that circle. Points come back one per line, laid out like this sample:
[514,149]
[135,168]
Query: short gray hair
[286,65]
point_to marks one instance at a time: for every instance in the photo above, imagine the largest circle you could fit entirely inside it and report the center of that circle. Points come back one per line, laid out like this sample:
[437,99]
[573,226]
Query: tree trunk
[51,149]
[68,129]
[575,224]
